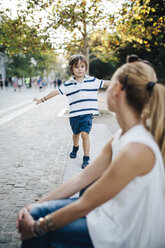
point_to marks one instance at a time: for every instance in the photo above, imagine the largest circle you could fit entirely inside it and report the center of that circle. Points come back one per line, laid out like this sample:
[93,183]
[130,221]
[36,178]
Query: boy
[81,91]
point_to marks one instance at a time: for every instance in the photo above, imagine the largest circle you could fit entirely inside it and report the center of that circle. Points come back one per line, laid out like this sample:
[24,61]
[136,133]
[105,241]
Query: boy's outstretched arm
[106,83]
[45,98]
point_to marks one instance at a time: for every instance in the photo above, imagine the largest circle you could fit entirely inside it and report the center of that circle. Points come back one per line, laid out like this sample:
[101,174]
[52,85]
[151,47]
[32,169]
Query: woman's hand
[22,212]
[37,100]
[31,205]
[25,224]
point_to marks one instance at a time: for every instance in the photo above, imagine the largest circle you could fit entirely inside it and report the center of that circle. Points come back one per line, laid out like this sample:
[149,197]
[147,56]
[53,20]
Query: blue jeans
[73,235]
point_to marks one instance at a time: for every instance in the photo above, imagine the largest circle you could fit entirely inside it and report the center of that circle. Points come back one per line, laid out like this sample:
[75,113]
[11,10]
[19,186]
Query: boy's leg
[75,148]
[76,139]
[85,143]
[85,128]
[86,149]
[74,123]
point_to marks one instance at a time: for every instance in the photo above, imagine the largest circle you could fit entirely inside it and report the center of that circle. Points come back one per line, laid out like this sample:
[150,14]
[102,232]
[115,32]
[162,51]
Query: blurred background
[38,36]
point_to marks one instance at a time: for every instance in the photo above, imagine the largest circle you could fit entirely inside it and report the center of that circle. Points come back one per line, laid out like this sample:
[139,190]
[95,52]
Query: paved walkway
[34,152]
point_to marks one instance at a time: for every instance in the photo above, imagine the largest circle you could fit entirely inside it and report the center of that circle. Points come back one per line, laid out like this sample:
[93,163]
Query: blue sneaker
[86,161]
[74,151]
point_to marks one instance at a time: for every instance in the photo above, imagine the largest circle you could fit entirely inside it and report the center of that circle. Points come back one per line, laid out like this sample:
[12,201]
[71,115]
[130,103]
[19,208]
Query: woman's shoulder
[140,135]
[137,134]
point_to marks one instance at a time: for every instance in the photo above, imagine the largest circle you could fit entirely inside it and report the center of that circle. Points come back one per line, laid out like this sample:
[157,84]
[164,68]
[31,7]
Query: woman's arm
[45,98]
[86,177]
[134,160]
[80,181]
[75,184]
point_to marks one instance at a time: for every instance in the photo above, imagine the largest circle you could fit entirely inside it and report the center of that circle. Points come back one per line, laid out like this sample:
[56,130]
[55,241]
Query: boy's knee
[84,135]
[76,135]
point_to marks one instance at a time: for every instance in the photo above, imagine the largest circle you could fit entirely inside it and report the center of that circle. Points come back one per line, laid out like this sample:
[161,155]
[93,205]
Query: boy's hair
[74,60]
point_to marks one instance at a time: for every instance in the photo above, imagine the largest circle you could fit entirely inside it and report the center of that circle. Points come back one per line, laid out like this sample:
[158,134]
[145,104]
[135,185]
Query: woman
[124,207]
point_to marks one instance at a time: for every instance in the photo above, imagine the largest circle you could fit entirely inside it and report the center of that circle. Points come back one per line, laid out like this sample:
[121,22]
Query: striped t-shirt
[82,96]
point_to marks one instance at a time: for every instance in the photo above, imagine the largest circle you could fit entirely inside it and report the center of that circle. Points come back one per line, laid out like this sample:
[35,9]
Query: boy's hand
[37,100]
[107,83]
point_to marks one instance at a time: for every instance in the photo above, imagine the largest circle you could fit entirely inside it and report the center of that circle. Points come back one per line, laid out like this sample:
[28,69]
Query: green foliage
[90,28]
[78,17]
[142,30]
[24,44]
[29,65]
[17,37]
[139,29]
[100,69]
[19,66]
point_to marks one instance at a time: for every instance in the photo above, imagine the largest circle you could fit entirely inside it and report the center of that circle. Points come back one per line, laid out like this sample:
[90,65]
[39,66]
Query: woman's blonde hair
[145,96]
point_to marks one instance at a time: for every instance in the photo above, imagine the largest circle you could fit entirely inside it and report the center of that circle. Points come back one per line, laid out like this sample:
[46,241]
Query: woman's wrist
[49,223]
[43,225]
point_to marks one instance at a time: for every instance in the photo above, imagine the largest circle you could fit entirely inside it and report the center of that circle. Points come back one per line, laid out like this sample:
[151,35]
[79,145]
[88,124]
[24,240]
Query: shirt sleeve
[63,90]
[99,83]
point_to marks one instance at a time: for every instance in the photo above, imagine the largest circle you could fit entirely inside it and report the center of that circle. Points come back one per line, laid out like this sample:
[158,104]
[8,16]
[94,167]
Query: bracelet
[42,100]
[45,98]
[46,223]
[33,231]
[37,228]
[43,225]
[49,222]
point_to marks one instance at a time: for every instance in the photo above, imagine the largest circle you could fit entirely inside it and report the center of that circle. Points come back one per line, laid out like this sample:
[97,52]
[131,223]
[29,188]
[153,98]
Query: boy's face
[79,69]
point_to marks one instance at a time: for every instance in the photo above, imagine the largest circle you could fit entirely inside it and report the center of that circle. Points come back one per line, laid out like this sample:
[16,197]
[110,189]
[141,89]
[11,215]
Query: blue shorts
[81,123]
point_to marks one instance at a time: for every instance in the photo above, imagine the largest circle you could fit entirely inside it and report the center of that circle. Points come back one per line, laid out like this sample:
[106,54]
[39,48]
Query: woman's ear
[117,89]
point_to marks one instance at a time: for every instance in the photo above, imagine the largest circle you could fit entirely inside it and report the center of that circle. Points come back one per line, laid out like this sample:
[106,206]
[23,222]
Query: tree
[100,69]
[79,18]
[139,28]
[17,37]
[145,28]
[23,44]
[31,65]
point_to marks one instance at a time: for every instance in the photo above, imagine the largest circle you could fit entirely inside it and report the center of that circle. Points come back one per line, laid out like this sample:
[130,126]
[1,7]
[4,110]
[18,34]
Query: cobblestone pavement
[35,142]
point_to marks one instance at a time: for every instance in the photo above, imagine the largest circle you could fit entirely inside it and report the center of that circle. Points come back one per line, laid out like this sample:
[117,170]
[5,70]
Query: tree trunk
[86,48]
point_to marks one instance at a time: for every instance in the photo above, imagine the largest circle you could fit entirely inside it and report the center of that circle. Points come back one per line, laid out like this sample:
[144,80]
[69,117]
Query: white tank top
[135,217]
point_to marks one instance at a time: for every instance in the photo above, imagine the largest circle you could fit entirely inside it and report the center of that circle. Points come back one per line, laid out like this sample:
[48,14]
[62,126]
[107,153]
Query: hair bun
[150,86]
[132,58]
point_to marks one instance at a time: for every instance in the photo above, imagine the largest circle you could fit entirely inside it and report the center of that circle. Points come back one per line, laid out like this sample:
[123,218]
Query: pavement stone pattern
[34,152]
